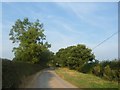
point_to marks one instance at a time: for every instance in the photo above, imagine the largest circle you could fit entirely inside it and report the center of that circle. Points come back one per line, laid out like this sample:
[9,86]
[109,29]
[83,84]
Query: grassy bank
[84,80]
[14,72]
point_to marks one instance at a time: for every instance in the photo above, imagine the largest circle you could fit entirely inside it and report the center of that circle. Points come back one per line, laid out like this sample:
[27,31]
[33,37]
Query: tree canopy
[31,40]
[74,57]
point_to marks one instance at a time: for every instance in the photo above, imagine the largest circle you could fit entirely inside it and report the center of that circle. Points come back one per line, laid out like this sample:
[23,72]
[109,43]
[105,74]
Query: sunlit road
[49,79]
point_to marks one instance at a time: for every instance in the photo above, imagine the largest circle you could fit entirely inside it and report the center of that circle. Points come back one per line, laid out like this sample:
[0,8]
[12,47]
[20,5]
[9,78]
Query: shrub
[107,72]
[87,68]
[96,70]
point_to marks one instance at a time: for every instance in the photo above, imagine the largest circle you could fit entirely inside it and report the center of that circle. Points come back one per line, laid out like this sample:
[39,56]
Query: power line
[105,40]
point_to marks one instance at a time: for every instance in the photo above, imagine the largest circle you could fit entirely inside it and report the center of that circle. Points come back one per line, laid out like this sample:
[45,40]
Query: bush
[110,69]
[108,72]
[87,68]
[96,70]
[115,75]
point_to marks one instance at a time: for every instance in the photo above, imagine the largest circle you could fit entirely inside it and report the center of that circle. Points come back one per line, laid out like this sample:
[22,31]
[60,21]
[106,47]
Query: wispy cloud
[91,14]
[67,24]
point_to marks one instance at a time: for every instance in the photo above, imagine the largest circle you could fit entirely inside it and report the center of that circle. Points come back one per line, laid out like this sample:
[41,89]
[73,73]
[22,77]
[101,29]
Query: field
[84,80]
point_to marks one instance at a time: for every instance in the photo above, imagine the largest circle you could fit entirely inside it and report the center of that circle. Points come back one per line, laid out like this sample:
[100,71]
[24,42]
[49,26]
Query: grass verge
[84,80]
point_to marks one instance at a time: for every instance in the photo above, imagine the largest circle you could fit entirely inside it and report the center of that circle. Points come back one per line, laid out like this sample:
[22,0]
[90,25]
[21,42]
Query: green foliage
[55,61]
[96,70]
[74,57]
[107,72]
[81,59]
[115,75]
[110,69]
[14,72]
[46,57]
[114,64]
[31,40]
[88,67]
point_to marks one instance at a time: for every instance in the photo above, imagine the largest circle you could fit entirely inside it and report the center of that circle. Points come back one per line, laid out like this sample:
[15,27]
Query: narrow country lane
[49,79]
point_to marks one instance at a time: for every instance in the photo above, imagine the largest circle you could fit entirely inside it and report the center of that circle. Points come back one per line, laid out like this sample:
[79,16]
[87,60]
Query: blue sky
[67,24]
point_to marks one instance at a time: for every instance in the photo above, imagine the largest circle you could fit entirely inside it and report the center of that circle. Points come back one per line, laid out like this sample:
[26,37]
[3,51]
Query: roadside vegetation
[13,73]
[81,59]
[82,80]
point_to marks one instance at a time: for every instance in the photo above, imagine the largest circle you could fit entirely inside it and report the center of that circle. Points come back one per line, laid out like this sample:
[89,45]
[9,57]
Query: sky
[66,24]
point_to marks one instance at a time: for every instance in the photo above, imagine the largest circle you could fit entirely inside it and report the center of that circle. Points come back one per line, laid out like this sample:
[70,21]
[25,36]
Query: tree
[74,57]
[31,40]
[46,57]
